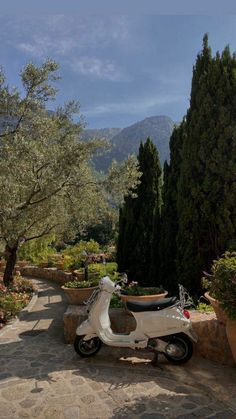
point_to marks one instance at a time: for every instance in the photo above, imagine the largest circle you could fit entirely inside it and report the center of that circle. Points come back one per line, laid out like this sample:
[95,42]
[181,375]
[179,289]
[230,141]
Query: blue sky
[121,68]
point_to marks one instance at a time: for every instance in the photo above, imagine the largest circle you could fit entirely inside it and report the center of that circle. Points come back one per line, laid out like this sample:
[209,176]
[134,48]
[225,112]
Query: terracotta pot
[78,275]
[231,335]
[220,313]
[152,297]
[77,296]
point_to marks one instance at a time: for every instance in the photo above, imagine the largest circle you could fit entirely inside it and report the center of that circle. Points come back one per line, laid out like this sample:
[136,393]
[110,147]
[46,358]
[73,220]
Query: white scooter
[162,326]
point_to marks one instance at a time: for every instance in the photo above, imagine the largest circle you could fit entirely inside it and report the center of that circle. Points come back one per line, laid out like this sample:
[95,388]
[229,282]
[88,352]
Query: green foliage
[222,283]
[203,307]
[116,302]
[75,255]
[109,268]
[11,305]
[137,242]
[38,250]
[169,213]
[47,184]
[206,185]
[82,284]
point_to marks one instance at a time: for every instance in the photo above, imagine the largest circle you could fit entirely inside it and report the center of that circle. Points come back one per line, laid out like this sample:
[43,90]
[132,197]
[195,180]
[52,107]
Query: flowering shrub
[82,284]
[14,298]
[134,289]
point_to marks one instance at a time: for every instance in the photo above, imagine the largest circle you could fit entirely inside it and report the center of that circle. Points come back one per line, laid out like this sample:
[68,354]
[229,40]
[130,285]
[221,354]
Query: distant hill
[107,133]
[126,141]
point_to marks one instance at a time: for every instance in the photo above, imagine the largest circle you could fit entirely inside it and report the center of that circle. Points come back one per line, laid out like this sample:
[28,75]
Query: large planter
[145,298]
[231,335]
[77,296]
[220,314]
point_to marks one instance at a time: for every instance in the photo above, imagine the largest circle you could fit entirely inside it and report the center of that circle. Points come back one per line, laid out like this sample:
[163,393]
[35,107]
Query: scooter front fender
[85,328]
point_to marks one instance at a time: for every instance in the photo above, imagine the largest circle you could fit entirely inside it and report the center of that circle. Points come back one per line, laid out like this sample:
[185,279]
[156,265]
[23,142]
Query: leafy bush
[221,284]
[104,269]
[76,252]
[37,251]
[204,307]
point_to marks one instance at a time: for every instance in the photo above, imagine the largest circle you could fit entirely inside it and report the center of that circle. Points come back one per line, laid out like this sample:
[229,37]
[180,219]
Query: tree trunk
[10,254]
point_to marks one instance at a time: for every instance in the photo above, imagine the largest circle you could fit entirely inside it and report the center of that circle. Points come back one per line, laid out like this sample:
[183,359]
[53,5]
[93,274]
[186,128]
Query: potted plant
[78,292]
[134,292]
[222,287]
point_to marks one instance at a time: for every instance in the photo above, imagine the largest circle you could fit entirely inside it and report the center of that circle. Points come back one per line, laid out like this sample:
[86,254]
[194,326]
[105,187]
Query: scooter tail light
[186,314]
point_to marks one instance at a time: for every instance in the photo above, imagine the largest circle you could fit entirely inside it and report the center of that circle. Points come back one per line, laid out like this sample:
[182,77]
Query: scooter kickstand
[155,361]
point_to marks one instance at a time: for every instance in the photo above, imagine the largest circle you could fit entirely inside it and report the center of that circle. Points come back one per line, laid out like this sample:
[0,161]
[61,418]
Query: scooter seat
[137,306]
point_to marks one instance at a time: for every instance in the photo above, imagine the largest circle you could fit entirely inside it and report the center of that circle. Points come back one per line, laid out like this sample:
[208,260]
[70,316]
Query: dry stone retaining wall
[53,274]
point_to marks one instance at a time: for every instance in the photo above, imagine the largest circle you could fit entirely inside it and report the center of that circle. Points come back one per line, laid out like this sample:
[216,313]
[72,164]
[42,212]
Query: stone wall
[53,274]
[212,340]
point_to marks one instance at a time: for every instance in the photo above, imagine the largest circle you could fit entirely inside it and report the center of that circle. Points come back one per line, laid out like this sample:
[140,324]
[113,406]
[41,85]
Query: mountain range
[126,141]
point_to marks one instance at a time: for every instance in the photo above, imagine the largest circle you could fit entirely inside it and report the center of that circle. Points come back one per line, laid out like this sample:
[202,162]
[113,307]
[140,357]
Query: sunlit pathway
[42,377]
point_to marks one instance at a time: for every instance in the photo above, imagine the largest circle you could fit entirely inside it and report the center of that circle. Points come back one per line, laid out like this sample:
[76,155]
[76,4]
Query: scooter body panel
[162,323]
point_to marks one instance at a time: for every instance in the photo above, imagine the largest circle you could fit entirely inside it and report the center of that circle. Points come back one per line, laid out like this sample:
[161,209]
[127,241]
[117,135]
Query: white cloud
[43,46]
[62,34]
[97,68]
[134,106]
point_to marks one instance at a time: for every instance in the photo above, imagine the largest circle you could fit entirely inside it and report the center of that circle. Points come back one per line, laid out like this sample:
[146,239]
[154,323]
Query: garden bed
[14,298]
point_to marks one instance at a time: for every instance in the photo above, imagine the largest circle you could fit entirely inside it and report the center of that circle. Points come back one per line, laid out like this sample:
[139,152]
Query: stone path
[41,377]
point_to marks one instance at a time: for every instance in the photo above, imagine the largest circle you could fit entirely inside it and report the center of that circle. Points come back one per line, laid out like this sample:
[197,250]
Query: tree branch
[44,233]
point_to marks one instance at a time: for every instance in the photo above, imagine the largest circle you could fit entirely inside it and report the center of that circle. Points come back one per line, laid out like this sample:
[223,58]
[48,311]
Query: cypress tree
[138,217]
[169,213]
[207,188]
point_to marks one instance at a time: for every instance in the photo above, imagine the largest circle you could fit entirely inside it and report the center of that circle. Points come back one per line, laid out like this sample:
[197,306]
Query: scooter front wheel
[86,348]
[179,349]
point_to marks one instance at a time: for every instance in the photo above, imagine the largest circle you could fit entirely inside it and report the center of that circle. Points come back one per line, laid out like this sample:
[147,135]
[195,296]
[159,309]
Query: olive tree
[46,181]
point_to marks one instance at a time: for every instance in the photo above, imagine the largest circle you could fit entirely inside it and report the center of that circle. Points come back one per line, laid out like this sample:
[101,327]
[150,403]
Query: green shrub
[104,269]
[204,307]
[76,252]
[221,284]
[37,251]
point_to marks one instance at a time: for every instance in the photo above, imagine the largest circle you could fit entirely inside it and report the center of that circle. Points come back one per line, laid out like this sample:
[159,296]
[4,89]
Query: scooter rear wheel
[86,348]
[179,349]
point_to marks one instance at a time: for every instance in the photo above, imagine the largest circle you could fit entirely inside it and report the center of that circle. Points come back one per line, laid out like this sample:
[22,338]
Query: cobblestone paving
[41,377]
